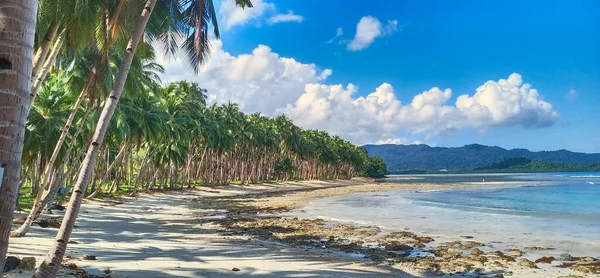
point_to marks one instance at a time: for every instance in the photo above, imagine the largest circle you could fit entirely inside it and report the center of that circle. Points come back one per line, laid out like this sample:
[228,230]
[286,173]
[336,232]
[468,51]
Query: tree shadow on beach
[136,238]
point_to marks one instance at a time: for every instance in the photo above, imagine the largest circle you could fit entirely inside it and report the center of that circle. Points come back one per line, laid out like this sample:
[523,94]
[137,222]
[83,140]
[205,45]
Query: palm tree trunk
[63,136]
[42,52]
[57,180]
[116,161]
[130,171]
[77,157]
[39,79]
[153,180]
[34,213]
[50,265]
[18,19]
[144,161]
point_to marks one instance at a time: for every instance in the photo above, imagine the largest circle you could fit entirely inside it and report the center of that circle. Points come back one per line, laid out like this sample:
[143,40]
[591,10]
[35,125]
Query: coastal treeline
[169,137]
[83,101]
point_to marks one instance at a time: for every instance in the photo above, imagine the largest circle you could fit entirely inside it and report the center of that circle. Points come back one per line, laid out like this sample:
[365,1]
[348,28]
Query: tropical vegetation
[92,116]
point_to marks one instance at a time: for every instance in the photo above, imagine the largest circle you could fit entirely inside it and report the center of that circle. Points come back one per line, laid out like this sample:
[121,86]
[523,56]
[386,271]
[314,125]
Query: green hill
[424,157]
[514,165]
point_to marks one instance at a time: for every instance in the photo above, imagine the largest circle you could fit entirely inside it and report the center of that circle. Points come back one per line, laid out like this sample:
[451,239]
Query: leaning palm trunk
[145,160]
[17,18]
[39,79]
[42,52]
[35,212]
[76,161]
[116,161]
[48,193]
[50,265]
[65,131]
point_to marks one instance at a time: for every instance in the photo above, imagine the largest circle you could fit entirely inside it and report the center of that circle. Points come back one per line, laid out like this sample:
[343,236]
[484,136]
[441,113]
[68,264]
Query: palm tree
[18,19]
[160,136]
[45,120]
[203,11]
[50,265]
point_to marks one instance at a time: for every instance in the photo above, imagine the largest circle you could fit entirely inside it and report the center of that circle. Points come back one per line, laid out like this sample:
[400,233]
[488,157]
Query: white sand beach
[167,235]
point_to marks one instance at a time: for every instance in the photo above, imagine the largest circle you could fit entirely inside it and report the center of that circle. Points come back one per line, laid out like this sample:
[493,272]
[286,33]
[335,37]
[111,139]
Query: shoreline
[296,200]
[207,232]
[267,217]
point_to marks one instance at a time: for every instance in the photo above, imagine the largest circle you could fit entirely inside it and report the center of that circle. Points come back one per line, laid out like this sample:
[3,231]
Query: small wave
[586,176]
[590,182]
[483,209]
[533,185]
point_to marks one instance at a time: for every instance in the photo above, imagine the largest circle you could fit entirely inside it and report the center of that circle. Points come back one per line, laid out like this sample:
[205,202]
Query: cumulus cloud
[262,81]
[231,15]
[507,102]
[289,17]
[380,116]
[368,29]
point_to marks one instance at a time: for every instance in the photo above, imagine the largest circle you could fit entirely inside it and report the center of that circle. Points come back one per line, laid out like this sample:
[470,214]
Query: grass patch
[26,198]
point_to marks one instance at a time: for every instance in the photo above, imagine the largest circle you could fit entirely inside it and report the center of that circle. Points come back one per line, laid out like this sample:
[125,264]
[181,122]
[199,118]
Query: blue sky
[554,46]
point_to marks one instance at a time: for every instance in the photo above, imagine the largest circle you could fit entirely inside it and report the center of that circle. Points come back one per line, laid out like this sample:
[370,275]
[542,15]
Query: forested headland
[427,159]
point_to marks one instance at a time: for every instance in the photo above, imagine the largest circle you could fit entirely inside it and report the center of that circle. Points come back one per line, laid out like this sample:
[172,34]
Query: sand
[159,235]
[209,232]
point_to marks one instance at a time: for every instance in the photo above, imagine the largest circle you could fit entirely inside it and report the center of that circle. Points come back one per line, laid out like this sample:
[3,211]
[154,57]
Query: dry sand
[194,234]
[160,236]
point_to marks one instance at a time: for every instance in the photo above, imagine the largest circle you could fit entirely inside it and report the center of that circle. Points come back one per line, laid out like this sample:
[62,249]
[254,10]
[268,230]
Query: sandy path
[159,236]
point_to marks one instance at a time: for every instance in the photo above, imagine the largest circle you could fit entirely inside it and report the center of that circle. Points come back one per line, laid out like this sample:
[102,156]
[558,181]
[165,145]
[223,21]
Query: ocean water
[557,210]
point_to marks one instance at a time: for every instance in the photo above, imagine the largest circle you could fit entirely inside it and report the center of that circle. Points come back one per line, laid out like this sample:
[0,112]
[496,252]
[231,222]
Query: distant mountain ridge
[408,157]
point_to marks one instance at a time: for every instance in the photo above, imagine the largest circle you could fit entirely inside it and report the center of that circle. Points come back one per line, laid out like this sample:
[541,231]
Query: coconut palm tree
[18,20]
[50,265]
[48,115]
[201,11]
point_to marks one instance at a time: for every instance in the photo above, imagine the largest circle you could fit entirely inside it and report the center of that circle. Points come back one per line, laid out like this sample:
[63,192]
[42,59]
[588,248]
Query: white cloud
[391,27]
[571,95]
[289,17]
[380,116]
[397,141]
[368,29]
[262,81]
[338,33]
[231,15]
[507,102]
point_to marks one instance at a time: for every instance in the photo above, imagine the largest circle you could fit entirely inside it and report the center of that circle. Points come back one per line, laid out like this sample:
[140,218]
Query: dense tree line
[168,137]
[84,103]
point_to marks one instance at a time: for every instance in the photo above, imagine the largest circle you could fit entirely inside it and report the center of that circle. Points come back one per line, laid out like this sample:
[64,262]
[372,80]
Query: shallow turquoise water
[570,196]
[560,210]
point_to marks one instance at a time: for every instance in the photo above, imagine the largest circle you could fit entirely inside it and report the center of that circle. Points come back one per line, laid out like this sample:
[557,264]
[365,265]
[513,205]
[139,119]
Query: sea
[552,210]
